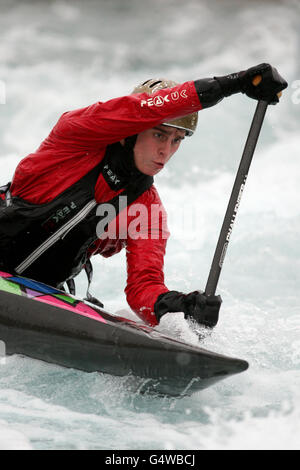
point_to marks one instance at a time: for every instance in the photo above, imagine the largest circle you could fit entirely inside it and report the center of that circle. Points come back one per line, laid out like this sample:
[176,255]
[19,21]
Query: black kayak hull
[110,344]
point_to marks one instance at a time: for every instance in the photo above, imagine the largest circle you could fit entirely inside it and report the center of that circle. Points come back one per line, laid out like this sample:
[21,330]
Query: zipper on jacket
[55,237]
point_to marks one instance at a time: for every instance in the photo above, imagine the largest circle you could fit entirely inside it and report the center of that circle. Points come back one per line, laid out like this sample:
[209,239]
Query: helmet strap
[130,142]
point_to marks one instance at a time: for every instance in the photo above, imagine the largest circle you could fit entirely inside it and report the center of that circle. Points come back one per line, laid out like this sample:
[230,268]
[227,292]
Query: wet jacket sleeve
[145,251]
[105,123]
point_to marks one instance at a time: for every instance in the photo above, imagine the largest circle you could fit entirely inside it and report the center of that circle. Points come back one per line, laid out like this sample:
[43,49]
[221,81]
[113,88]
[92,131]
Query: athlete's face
[154,148]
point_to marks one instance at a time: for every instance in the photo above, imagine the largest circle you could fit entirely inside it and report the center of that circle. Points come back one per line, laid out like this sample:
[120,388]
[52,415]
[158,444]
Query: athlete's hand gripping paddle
[232,209]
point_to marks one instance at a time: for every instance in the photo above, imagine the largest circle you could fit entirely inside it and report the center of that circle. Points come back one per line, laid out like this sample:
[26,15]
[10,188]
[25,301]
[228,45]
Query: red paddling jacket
[48,227]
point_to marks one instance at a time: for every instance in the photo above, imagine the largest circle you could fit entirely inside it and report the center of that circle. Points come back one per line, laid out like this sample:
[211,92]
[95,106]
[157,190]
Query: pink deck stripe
[80,309]
[2,274]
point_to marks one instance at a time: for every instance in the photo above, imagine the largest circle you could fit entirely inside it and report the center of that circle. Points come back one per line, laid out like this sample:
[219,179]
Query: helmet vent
[155,83]
[146,82]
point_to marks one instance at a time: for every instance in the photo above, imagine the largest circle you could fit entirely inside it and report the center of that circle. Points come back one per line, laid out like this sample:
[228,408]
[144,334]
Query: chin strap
[130,142]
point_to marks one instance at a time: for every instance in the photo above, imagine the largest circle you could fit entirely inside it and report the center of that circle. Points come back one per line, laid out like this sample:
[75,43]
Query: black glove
[196,305]
[271,83]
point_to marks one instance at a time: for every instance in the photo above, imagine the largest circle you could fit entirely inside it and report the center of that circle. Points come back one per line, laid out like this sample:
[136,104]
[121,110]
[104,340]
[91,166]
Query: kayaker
[50,214]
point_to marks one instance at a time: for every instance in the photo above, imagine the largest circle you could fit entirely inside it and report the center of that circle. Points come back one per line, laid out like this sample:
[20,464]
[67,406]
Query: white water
[61,55]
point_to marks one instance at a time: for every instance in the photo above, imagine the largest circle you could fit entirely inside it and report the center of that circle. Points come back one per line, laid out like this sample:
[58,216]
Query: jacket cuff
[172,301]
[209,92]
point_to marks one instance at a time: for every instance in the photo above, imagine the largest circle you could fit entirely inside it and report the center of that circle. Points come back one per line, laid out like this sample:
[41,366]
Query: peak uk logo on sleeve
[161,100]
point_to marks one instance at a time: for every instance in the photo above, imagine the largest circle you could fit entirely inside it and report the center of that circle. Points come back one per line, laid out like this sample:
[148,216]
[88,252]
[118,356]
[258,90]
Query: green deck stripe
[65,298]
[8,286]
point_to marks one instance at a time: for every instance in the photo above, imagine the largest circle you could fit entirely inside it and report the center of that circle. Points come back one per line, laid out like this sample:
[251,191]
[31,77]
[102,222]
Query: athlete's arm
[105,123]
[145,255]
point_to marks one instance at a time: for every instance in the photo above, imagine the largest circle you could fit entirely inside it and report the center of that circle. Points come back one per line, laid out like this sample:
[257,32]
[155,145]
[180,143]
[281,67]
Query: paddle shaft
[235,198]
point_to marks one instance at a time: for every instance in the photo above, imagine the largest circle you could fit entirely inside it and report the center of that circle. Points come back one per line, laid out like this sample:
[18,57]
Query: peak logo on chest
[111,177]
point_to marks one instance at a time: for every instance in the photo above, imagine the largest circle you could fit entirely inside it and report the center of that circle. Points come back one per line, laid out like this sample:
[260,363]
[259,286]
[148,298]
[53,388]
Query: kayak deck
[72,333]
